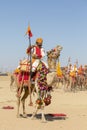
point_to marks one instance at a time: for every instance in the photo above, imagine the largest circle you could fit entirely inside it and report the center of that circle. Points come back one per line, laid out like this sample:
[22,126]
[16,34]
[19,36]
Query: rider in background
[37,54]
[81,70]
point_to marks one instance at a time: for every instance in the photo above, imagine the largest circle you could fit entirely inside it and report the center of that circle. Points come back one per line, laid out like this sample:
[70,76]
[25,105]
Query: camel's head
[54,53]
[58,48]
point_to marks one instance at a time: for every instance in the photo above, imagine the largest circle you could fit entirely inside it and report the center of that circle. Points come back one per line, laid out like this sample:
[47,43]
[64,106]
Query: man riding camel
[37,53]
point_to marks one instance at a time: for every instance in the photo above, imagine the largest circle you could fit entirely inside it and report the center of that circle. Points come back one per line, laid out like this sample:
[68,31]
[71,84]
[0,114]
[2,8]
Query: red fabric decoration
[38,52]
[29,33]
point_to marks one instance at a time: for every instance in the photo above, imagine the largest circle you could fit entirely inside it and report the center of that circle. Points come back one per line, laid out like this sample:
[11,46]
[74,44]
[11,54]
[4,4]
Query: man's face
[39,45]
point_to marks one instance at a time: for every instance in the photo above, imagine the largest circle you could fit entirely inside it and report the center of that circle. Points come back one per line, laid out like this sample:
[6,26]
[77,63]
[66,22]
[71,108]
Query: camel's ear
[48,52]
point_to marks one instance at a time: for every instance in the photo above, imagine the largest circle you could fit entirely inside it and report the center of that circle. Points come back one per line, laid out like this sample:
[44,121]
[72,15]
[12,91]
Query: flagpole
[29,33]
[30,59]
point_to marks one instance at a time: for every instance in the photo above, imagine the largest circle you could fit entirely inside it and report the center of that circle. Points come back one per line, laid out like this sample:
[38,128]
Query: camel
[42,86]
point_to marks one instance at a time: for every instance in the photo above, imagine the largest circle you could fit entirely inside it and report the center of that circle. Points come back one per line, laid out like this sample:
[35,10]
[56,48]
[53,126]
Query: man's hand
[34,56]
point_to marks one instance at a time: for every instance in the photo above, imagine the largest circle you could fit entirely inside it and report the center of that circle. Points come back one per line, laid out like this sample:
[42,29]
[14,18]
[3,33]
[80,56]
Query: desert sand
[74,105]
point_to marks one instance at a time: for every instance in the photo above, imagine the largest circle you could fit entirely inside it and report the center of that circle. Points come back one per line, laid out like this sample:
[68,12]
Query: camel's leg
[18,106]
[26,93]
[24,112]
[43,115]
[12,80]
[34,113]
[30,91]
[19,91]
[43,119]
[70,83]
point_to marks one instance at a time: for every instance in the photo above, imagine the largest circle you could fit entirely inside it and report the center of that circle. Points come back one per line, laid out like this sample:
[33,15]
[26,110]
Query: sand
[74,105]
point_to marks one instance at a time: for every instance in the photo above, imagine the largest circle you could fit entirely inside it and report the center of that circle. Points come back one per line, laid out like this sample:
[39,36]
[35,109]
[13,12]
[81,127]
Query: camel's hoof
[33,117]
[25,115]
[18,116]
[43,121]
